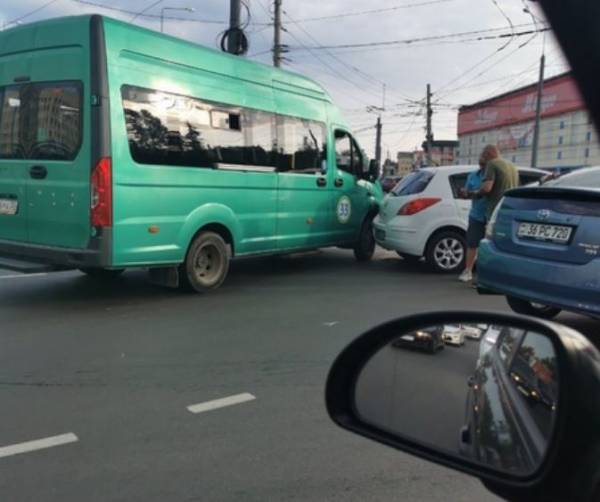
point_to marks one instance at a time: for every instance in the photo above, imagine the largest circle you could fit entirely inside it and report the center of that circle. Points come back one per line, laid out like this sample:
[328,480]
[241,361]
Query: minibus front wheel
[365,245]
[206,263]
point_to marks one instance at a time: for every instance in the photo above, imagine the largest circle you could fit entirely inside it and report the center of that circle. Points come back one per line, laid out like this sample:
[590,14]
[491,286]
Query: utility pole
[538,115]
[429,136]
[378,129]
[277,34]
[378,142]
[233,40]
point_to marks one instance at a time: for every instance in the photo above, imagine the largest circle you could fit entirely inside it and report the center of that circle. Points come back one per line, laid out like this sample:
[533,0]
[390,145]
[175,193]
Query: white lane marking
[221,403]
[330,324]
[38,444]
[16,276]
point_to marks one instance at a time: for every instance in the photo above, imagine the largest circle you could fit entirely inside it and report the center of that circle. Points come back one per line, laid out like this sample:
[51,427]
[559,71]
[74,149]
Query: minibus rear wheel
[365,246]
[206,263]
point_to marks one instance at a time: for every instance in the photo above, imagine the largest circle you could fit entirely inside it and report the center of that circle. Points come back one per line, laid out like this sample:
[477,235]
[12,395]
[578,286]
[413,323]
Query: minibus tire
[526,307]
[206,263]
[104,274]
[365,246]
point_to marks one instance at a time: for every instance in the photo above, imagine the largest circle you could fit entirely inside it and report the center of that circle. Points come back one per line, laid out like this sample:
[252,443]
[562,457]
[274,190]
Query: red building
[567,136]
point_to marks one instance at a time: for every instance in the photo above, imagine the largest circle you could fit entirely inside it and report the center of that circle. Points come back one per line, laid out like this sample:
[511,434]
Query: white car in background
[471,331]
[423,216]
[453,334]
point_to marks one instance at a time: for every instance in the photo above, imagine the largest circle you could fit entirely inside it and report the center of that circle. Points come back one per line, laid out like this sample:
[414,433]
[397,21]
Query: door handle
[321,182]
[38,172]
[338,182]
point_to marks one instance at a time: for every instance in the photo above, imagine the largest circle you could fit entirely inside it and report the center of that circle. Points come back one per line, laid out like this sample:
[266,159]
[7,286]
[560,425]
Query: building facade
[405,162]
[567,137]
[443,153]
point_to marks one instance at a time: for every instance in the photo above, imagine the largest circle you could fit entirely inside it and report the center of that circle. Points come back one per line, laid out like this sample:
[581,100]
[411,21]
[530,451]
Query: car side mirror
[508,399]
[373,172]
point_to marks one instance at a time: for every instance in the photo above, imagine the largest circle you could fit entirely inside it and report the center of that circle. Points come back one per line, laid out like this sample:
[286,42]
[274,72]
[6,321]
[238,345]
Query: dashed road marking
[38,444]
[221,403]
[17,276]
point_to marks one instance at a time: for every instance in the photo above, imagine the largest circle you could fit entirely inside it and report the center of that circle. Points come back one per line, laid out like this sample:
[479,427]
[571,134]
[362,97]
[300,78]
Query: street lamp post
[162,14]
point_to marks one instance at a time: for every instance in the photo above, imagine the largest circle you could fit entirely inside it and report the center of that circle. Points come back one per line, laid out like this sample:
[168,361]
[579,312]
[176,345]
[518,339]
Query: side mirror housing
[508,399]
[373,173]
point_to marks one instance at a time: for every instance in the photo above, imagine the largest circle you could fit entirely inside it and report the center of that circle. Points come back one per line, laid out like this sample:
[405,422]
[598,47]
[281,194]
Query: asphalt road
[423,395]
[115,367]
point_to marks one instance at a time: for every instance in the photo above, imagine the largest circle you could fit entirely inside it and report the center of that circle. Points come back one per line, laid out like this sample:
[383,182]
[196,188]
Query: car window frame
[455,187]
[353,146]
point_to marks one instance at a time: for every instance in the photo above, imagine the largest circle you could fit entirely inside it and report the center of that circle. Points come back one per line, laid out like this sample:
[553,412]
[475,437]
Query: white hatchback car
[453,335]
[424,216]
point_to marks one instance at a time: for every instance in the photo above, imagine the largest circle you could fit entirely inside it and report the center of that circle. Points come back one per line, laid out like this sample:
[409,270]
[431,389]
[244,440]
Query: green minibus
[121,147]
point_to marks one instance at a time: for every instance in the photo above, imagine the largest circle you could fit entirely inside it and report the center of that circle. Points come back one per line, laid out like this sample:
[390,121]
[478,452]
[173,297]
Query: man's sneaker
[466,276]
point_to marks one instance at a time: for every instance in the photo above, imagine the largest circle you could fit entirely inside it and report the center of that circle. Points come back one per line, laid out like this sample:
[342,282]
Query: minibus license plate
[553,233]
[8,206]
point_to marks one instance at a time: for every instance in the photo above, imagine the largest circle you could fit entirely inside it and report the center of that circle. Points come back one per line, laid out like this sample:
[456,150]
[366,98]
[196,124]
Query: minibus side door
[351,197]
[304,187]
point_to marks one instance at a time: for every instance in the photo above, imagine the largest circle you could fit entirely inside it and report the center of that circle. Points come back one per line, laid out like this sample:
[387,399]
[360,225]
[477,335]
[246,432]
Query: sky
[462,69]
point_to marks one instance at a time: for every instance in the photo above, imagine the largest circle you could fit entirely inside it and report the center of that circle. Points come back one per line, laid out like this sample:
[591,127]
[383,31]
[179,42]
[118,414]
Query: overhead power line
[360,73]
[146,9]
[30,13]
[510,23]
[435,37]
[483,72]
[149,16]
[372,11]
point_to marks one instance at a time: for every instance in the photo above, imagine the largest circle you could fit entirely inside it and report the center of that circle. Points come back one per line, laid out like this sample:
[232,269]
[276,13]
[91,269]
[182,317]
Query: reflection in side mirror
[488,394]
[505,398]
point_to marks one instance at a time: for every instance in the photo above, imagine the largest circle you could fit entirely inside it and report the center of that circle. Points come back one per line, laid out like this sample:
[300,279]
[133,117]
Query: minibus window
[300,145]
[357,159]
[40,121]
[169,129]
[343,152]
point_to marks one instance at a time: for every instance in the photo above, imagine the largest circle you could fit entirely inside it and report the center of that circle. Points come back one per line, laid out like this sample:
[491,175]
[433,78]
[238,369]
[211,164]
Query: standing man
[476,228]
[499,176]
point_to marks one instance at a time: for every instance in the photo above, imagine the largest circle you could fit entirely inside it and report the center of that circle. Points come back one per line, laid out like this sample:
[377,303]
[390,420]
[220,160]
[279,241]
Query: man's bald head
[490,152]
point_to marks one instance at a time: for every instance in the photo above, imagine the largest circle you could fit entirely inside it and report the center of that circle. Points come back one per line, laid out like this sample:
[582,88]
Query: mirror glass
[482,392]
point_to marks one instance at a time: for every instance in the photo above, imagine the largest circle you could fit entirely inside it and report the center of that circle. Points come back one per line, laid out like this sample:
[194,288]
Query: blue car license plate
[544,232]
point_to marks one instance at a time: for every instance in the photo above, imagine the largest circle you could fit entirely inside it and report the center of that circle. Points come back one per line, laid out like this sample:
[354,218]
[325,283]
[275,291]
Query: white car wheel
[446,252]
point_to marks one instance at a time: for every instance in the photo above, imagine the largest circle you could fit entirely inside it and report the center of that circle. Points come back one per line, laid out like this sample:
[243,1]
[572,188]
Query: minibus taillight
[101,203]
[417,205]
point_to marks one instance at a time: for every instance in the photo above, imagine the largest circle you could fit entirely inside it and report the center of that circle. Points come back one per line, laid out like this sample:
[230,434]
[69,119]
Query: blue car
[542,247]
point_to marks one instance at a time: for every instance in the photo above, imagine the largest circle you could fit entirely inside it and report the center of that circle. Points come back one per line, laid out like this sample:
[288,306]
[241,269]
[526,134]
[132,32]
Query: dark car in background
[389,182]
[428,339]
[511,402]
[542,248]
